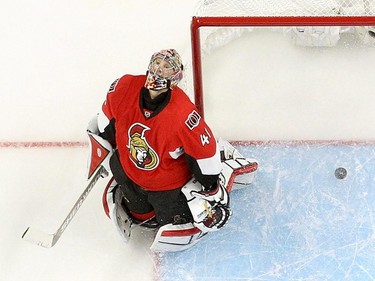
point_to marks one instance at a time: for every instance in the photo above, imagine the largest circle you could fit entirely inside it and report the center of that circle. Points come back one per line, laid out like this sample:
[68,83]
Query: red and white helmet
[163,76]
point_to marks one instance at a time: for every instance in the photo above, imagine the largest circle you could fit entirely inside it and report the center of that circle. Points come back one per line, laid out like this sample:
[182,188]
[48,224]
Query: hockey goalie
[168,172]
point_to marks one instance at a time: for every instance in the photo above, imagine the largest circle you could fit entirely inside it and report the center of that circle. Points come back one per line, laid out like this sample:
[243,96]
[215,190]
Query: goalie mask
[165,70]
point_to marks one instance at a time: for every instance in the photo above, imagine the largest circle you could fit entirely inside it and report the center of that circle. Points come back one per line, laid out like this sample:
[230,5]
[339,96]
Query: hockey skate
[123,221]
[115,209]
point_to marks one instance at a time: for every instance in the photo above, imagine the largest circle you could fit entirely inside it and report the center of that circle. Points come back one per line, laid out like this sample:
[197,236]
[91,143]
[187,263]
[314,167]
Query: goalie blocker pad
[100,153]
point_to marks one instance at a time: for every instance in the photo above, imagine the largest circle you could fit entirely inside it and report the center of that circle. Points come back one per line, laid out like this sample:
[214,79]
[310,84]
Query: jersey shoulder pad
[125,81]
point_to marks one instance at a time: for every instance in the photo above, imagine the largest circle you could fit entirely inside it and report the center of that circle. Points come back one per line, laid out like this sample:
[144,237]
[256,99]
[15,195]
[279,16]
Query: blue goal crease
[297,221]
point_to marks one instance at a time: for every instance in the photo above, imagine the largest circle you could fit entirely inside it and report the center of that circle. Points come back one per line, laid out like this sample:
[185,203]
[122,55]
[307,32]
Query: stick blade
[39,238]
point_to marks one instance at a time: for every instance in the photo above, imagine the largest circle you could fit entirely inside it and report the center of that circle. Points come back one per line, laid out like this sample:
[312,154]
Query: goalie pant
[210,211]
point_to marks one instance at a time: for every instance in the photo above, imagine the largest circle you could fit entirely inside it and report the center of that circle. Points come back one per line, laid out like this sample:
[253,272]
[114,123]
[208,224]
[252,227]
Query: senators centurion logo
[193,120]
[141,153]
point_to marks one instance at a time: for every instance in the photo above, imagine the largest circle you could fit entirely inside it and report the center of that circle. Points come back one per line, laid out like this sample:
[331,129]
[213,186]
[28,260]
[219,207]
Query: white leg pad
[227,150]
[172,238]
[238,173]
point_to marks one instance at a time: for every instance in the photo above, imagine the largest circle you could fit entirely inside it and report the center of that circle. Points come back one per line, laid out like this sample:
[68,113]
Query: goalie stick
[99,153]
[46,240]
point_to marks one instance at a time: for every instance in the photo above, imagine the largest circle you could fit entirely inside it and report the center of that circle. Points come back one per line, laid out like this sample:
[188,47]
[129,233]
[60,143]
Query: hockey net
[315,27]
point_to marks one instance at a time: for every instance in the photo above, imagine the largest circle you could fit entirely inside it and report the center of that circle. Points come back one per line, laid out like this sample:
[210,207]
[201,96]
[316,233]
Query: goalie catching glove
[210,210]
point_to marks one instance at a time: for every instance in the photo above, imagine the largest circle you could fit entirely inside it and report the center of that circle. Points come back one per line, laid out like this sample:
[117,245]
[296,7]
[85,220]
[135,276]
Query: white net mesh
[285,7]
[213,37]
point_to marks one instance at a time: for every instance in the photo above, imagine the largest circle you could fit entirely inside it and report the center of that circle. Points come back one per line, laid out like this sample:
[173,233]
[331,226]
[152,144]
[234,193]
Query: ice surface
[298,222]
[39,186]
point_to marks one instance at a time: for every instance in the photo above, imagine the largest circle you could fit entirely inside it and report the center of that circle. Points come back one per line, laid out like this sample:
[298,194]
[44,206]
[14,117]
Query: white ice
[58,59]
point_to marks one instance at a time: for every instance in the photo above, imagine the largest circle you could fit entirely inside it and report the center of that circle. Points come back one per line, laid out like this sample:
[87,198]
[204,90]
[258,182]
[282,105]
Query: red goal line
[42,144]
[77,144]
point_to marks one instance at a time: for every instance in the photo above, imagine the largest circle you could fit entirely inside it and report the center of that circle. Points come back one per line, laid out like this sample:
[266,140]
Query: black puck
[340,173]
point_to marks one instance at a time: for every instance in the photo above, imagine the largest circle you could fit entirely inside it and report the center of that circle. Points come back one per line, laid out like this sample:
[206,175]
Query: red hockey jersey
[151,149]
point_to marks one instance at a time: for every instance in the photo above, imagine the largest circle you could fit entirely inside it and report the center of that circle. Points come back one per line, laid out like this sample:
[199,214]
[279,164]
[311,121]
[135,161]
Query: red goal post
[257,21]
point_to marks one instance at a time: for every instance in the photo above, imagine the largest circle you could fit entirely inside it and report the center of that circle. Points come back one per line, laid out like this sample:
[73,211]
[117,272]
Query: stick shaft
[49,240]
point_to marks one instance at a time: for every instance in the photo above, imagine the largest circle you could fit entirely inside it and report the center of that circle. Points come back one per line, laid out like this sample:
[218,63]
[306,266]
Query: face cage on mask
[156,82]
